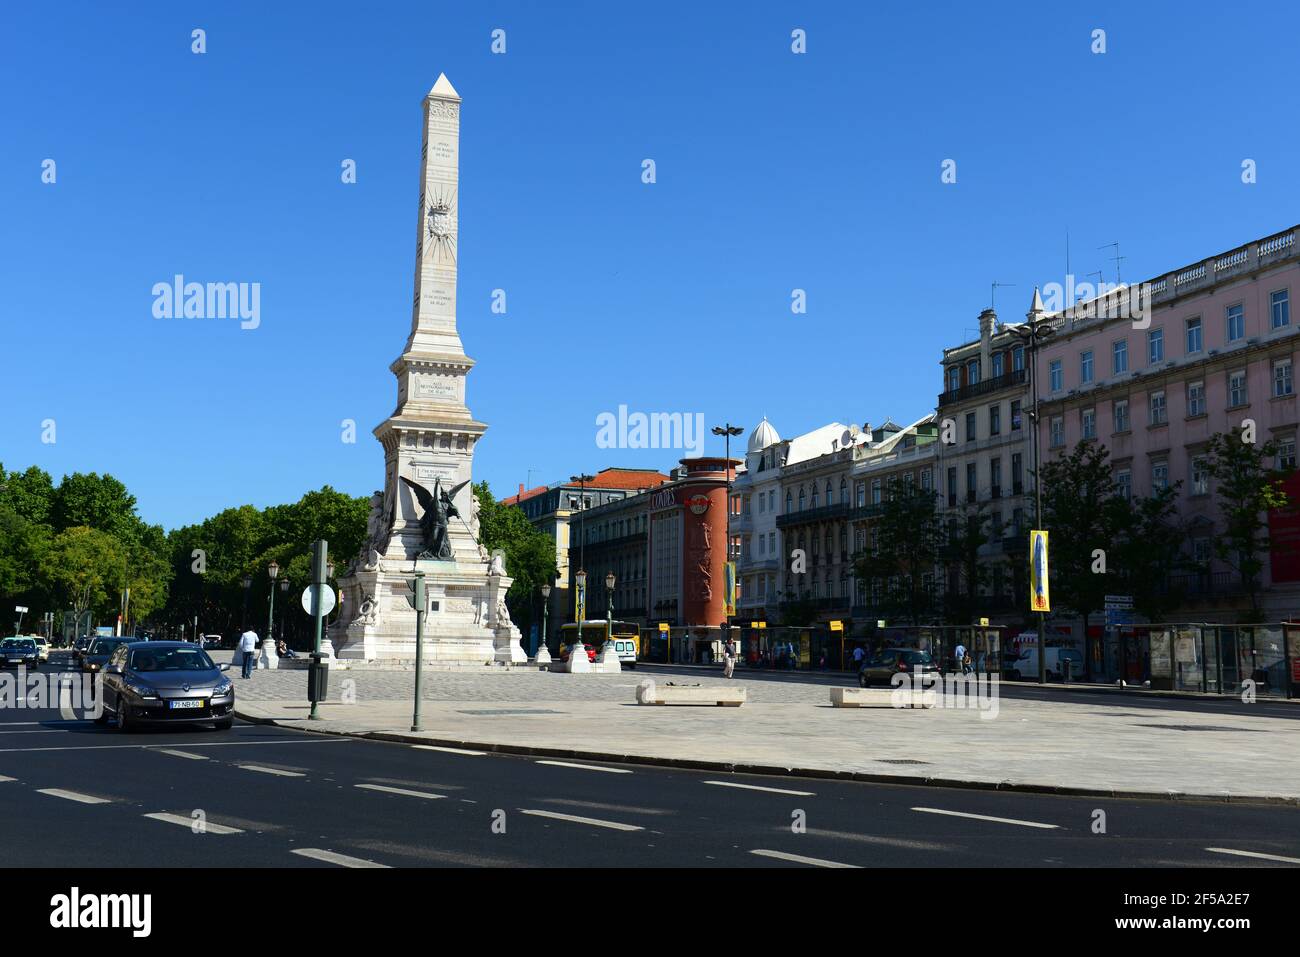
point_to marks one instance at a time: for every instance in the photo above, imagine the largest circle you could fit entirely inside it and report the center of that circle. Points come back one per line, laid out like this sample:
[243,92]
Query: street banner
[729,587]
[1039,596]
[579,604]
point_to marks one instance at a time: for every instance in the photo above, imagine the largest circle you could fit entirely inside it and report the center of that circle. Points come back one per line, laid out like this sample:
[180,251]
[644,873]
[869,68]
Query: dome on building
[763,436]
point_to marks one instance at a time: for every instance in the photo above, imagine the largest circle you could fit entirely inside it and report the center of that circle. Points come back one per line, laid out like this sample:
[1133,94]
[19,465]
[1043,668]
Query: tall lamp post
[284,590]
[1033,333]
[609,605]
[582,481]
[273,570]
[247,582]
[727,431]
[546,605]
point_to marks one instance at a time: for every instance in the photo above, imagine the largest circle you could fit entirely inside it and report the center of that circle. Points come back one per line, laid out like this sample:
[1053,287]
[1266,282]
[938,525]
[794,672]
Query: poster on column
[1039,595]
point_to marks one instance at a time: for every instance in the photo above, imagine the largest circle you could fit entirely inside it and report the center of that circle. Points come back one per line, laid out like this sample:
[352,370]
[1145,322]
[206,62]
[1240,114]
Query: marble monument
[426,516]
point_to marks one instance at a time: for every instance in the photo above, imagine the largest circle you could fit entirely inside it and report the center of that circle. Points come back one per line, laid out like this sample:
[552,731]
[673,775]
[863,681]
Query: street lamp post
[582,481]
[284,590]
[247,582]
[609,605]
[577,649]
[273,570]
[727,430]
[543,652]
[1033,333]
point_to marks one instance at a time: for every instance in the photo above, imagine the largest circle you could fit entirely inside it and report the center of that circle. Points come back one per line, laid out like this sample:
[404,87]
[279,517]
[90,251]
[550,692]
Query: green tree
[1077,489]
[95,501]
[88,569]
[1246,488]
[965,533]
[900,565]
[1147,550]
[529,553]
[30,494]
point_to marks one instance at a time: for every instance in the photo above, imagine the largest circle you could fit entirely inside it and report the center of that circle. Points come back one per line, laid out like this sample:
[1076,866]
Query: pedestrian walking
[248,647]
[729,658]
[959,658]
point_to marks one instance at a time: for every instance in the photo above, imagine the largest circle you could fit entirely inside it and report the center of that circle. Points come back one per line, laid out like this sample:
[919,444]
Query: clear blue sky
[775,171]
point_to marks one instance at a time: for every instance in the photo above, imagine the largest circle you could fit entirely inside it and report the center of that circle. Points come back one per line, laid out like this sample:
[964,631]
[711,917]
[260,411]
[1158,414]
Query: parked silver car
[166,682]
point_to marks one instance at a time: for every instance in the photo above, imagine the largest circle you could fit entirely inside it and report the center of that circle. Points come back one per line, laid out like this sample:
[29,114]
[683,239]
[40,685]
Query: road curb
[826,774]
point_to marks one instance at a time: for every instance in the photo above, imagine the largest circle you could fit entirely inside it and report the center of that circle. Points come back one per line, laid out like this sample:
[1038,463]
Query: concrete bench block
[882,698]
[647,692]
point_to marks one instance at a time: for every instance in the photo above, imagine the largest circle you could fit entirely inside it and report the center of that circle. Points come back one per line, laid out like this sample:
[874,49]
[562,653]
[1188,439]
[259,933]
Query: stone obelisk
[429,440]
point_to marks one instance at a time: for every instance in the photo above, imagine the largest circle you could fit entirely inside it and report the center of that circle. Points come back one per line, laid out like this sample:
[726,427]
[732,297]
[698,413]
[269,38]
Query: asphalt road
[73,794]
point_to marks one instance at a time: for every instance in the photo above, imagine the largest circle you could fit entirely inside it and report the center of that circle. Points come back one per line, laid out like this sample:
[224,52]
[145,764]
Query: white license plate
[15,661]
[175,705]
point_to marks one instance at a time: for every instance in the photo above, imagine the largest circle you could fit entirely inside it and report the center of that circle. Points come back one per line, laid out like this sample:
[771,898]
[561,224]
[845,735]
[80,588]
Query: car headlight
[142,691]
[224,688]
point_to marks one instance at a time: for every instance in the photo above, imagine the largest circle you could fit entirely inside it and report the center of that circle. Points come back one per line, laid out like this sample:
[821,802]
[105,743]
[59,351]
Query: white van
[1026,664]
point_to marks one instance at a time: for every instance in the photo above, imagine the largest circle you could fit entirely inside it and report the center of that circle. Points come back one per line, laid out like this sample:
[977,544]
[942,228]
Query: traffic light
[416,597]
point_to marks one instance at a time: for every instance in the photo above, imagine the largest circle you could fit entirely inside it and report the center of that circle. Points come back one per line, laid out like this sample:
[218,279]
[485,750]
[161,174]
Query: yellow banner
[729,588]
[1040,598]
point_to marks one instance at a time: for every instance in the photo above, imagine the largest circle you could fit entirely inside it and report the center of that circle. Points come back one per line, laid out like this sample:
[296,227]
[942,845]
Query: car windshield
[170,659]
[20,644]
[105,646]
[917,657]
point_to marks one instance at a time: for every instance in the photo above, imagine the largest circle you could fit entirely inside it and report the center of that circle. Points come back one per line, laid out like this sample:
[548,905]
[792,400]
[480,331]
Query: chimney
[521,488]
[988,323]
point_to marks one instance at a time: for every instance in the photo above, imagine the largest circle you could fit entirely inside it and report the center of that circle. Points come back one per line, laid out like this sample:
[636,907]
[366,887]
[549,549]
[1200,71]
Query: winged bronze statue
[438,512]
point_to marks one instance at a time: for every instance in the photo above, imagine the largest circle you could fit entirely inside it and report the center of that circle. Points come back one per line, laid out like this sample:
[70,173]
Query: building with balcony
[756,501]
[551,508]
[1214,348]
[984,455]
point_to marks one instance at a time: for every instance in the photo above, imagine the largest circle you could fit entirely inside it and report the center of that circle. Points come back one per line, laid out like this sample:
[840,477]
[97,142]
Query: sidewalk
[650,667]
[1038,745]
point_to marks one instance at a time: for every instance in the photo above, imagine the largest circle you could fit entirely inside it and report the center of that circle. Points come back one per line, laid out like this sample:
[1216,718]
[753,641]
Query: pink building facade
[1217,346]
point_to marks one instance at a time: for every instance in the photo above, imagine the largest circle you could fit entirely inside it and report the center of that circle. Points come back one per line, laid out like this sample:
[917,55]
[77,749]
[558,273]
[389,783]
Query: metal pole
[546,602]
[319,558]
[419,647]
[270,615]
[1038,497]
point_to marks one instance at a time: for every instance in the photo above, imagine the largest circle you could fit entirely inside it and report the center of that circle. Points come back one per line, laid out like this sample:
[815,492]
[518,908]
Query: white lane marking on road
[1262,857]
[3,779]
[406,791]
[329,857]
[183,754]
[183,821]
[595,822]
[207,744]
[800,859]
[258,767]
[434,747]
[39,731]
[585,767]
[73,796]
[985,817]
[756,787]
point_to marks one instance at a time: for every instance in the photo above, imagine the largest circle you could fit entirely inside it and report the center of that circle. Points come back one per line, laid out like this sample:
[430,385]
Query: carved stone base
[464,630]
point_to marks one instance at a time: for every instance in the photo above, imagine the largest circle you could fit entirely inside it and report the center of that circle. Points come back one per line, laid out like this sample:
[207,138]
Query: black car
[166,682]
[96,656]
[881,668]
[19,653]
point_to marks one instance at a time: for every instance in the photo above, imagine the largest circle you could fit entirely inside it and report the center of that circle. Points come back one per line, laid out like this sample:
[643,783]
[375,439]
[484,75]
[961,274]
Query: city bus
[626,636]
